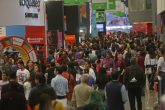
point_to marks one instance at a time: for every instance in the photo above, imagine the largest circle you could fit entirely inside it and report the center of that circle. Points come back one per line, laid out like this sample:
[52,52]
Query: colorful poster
[52,39]
[83,15]
[35,34]
[70,40]
[2,31]
[114,20]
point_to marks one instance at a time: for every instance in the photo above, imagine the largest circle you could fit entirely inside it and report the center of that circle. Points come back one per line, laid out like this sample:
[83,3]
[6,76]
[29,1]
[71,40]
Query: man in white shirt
[60,86]
[22,73]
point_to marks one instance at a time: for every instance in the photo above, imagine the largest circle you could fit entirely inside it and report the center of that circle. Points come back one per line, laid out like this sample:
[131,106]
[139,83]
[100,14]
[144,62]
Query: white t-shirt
[161,63]
[92,73]
[149,61]
[22,76]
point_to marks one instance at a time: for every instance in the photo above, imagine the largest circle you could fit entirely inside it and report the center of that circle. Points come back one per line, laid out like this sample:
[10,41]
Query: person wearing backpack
[134,80]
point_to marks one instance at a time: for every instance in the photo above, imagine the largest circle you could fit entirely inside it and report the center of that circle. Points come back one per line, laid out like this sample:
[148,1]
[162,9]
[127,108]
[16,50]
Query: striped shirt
[60,85]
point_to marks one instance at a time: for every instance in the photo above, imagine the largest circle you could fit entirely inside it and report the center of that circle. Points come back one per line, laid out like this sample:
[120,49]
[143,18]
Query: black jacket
[134,71]
[13,97]
[36,92]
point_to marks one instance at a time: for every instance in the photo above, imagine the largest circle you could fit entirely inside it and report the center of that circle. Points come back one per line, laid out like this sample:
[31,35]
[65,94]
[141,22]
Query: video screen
[117,22]
[100,27]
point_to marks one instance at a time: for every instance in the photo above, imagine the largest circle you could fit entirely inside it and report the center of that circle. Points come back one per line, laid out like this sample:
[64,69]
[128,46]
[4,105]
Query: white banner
[22,12]
[2,31]
[18,41]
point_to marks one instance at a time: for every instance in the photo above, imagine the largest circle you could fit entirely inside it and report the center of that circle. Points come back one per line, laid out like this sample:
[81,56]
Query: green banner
[100,16]
[112,4]
[75,1]
[118,13]
[99,6]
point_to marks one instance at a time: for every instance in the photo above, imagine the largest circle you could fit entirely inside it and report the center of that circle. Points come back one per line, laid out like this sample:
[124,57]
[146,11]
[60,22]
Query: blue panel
[15,31]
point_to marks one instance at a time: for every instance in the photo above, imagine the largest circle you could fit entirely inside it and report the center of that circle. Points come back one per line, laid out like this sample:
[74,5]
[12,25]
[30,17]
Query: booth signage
[99,6]
[112,4]
[35,40]
[30,3]
[100,16]
[75,1]
[31,15]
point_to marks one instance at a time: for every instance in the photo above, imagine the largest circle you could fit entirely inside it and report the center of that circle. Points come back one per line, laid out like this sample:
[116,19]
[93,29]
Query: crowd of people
[120,64]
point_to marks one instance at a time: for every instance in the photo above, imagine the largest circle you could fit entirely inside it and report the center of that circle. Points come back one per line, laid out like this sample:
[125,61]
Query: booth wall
[14,14]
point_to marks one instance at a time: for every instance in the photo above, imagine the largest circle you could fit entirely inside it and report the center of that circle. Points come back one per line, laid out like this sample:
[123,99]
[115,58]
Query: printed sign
[18,41]
[33,56]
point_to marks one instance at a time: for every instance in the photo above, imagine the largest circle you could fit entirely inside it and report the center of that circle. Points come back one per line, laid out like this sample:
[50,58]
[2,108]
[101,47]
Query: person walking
[60,86]
[81,92]
[116,93]
[134,80]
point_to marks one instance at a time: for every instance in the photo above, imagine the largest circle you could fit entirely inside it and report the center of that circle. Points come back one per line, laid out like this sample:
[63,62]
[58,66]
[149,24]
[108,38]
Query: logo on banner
[30,3]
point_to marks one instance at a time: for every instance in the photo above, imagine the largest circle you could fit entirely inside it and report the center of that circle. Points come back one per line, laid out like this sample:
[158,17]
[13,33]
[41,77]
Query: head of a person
[30,63]
[162,50]
[12,76]
[115,75]
[84,78]
[120,57]
[21,64]
[4,76]
[45,102]
[40,79]
[64,68]
[58,70]
[10,60]
[133,61]
[37,68]
[87,64]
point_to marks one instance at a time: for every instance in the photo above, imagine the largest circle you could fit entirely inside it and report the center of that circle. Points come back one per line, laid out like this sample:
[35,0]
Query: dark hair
[115,75]
[41,79]
[44,102]
[12,75]
[59,69]
[21,62]
[162,50]
[133,61]
[64,67]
